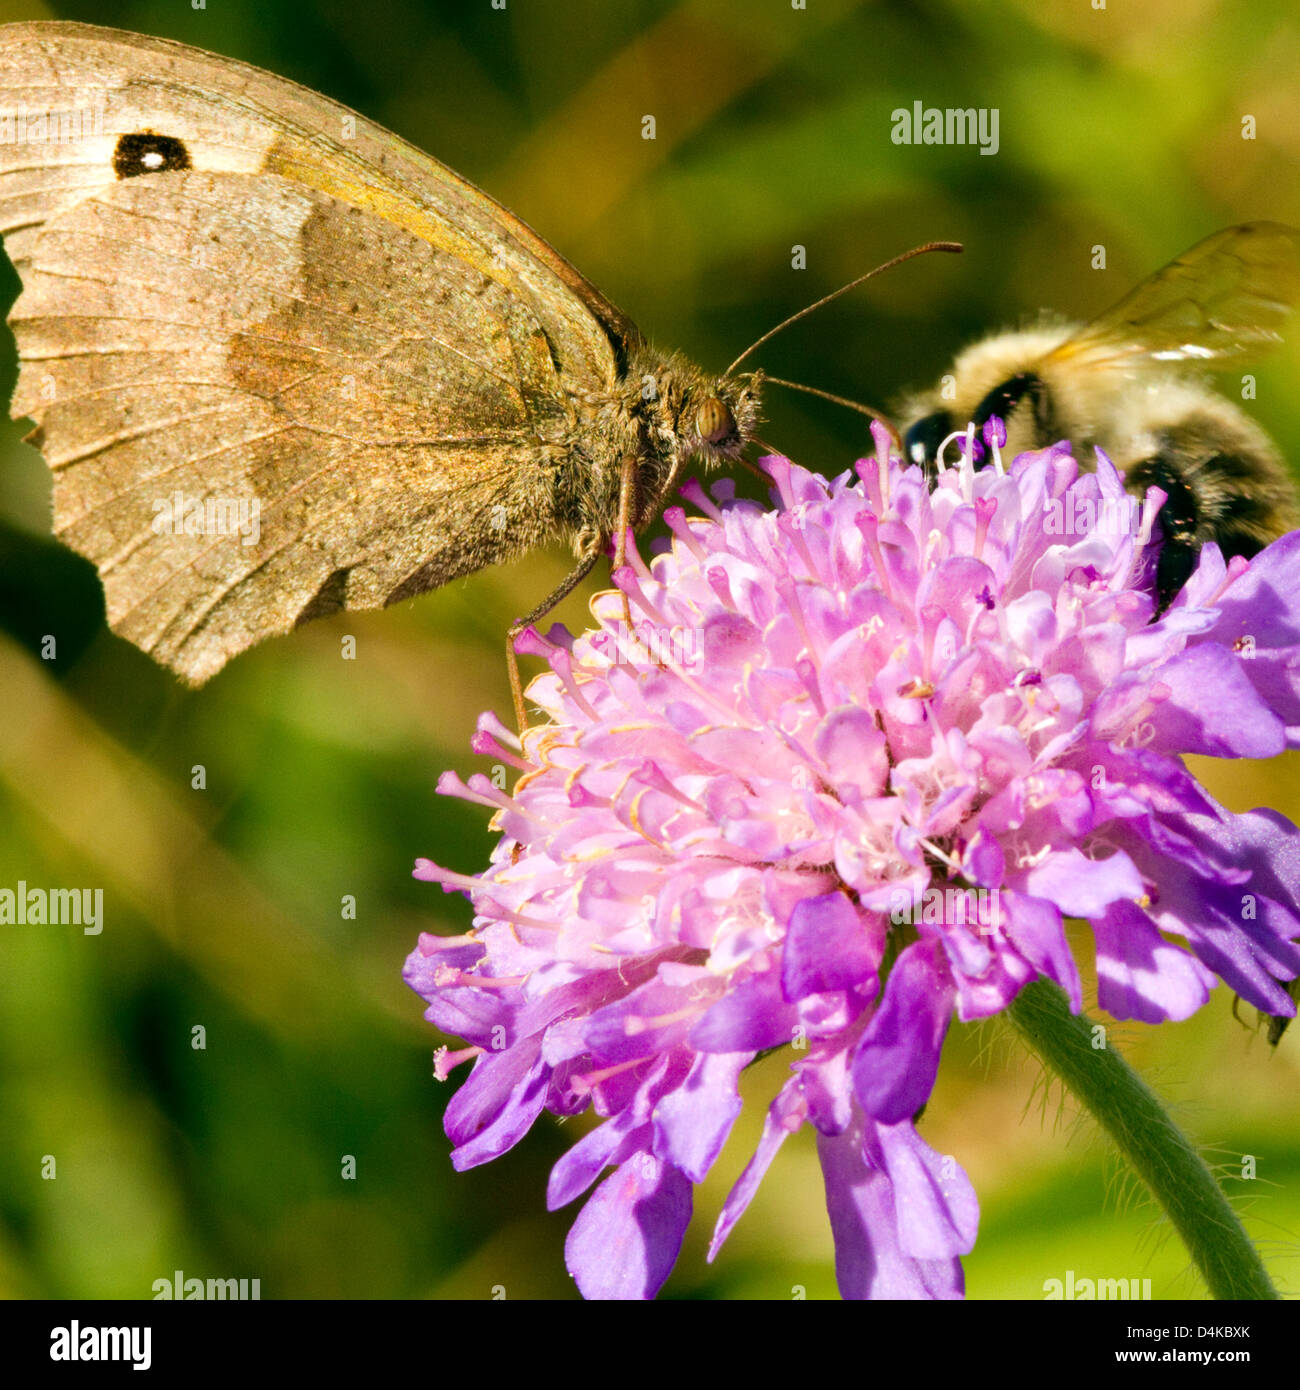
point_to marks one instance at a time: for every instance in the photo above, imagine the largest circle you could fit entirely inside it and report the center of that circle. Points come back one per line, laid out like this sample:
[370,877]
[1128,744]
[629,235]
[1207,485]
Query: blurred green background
[1119,126]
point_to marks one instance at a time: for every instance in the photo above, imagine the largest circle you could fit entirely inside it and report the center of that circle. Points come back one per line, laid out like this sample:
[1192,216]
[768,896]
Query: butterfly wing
[1225,299]
[281,363]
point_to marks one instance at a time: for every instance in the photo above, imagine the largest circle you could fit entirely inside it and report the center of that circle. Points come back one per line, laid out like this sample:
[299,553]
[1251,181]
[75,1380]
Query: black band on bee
[1179,521]
[1003,399]
[923,438]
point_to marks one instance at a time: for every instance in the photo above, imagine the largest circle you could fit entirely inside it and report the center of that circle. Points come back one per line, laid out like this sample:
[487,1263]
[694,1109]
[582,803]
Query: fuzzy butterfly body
[282,363]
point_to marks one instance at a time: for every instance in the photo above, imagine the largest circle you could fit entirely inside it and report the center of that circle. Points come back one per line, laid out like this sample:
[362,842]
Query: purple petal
[609,1144]
[1083,887]
[748,1019]
[1213,708]
[898,1057]
[495,1107]
[1242,936]
[1035,928]
[853,749]
[641,1024]
[828,946]
[984,860]
[625,1241]
[1263,842]
[938,1212]
[785,1115]
[1140,974]
[691,1123]
[869,1260]
[1262,602]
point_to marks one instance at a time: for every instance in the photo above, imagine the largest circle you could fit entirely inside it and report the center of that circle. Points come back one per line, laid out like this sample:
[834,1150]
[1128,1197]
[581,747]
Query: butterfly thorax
[667,413]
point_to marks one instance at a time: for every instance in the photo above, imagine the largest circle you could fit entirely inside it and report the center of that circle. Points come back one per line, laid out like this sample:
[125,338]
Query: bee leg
[1179,520]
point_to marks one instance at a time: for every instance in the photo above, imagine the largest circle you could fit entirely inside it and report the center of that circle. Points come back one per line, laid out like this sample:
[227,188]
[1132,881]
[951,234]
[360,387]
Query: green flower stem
[1130,1113]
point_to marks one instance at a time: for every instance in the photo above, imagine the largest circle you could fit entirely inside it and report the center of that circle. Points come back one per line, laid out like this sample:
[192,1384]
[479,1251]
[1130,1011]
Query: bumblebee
[1127,383]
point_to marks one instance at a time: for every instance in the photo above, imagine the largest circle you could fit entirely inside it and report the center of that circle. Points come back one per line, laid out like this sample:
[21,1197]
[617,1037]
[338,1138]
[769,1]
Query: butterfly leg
[628,508]
[571,581]
[627,512]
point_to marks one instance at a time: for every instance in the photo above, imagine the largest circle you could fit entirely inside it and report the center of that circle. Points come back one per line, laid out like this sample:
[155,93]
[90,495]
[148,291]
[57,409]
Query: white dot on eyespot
[153,160]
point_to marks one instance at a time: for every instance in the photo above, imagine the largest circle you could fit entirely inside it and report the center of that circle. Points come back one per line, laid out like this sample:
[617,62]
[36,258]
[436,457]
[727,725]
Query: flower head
[859,759]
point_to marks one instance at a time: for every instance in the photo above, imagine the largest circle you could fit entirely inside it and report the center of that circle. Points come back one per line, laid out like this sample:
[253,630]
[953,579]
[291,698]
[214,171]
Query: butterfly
[283,363]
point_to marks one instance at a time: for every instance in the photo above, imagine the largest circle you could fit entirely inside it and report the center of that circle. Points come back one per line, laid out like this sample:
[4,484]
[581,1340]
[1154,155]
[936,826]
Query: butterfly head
[685,417]
[725,415]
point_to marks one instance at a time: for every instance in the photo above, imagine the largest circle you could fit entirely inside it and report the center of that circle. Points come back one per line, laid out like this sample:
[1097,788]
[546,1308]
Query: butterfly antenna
[841,400]
[844,289]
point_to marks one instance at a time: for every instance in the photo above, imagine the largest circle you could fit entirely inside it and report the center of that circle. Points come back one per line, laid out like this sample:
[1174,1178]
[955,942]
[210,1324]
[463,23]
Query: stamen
[562,665]
[675,520]
[882,441]
[1237,566]
[870,529]
[633,1026]
[489,723]
[869,470]
[486,746]
[651,775]
[931,616]
[995,437]
[698,498]
[721,585]
[448,878]
[941,855]
[967,436]
[791,526]
[630,584]
[448,977]
[806,670]
[480,789]
[1154,499]
[985,508]
[445,1061]
[585,1083]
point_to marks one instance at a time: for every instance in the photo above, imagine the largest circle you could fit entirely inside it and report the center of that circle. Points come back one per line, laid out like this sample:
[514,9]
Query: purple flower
[859,759]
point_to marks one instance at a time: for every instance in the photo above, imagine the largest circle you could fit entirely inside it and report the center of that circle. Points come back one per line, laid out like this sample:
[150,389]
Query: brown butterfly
[282,363]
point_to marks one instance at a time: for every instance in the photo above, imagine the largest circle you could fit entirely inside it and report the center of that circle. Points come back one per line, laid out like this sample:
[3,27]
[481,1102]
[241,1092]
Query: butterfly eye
[714,421]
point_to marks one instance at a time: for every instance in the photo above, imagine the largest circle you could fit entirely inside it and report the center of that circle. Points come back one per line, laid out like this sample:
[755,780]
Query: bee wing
[1225,298]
